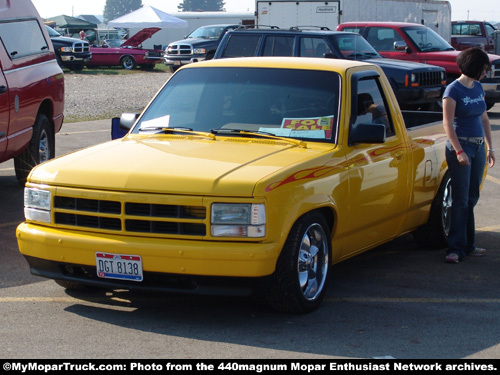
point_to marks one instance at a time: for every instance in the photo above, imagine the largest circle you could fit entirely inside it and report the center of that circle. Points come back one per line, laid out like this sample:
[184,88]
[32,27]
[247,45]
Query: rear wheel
[434,233]
[40,149]
[299,282]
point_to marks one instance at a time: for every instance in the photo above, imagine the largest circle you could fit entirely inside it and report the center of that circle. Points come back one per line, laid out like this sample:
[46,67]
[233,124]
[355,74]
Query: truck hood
[197,42]
[140,37]
[400,64]
[169,165]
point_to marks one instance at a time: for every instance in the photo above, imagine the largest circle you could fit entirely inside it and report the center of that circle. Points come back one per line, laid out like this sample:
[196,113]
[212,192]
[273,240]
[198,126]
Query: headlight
[66,49]
[37,205]
[199,51]
[238,220]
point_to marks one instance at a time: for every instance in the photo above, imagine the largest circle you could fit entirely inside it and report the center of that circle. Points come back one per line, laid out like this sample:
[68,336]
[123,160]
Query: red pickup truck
[419,43]
[467,34]
[31,88]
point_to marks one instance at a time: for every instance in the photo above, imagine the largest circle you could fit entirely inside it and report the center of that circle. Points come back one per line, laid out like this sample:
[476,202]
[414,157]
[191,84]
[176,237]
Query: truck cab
[467,34]
[31,88]
[415,42]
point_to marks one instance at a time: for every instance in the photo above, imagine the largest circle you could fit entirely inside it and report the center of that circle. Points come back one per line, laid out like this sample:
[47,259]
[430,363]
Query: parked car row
[75,54]
[418,62]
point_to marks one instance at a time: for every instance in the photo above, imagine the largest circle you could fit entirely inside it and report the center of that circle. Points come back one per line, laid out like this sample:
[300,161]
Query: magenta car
[128,54]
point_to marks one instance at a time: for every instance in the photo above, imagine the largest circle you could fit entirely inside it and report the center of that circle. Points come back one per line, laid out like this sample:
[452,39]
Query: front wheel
[434,233]
[128,62]
[300,278]
[40,149]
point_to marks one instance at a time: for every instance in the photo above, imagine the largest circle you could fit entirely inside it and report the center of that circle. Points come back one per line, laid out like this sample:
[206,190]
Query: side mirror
[121,125]
[367,133]
[401,46]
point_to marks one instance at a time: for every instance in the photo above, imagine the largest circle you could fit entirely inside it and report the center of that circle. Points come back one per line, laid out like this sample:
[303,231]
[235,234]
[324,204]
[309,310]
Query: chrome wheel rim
[44,147]
[447,201]
[313,261]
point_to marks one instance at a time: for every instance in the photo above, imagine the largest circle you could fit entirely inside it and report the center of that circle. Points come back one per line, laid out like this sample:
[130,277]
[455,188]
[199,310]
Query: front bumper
[181,62]
[491,91]
[159,255]
[73,58]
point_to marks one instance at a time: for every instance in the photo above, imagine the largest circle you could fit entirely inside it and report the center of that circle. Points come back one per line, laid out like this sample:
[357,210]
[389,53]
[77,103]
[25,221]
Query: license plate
[121,267]
[176,62]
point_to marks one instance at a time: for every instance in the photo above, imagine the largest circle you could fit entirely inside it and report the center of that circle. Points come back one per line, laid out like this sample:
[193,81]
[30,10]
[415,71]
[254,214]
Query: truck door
[4,113]
[378,172]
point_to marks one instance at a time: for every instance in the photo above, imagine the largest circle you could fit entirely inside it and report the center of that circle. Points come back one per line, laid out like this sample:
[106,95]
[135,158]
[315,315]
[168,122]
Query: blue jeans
[465,184]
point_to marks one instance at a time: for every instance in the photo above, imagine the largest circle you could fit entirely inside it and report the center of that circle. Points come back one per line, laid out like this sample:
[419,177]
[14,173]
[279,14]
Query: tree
[201,5]
[117,8]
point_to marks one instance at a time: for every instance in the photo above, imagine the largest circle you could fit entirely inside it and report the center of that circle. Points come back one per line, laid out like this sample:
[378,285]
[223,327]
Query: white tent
[147,16]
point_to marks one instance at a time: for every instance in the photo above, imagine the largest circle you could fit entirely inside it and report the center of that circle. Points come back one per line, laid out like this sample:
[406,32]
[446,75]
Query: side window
[490,30]
[313,47]
[241,46]
[372,106]
[278,46]
[22,38]
[352,29]
[382,38]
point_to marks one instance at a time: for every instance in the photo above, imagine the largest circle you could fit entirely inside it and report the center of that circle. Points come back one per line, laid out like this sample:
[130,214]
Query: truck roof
[338,65]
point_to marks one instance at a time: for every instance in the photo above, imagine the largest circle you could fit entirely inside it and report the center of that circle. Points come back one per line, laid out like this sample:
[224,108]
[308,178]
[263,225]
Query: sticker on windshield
[310,127]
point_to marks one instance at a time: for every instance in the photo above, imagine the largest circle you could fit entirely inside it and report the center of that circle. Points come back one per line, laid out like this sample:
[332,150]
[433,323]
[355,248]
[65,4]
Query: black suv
[71,53]
[416,85]
[198,46]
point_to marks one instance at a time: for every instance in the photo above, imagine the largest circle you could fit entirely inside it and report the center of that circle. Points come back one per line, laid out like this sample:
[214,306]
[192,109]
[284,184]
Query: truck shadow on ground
[397,300]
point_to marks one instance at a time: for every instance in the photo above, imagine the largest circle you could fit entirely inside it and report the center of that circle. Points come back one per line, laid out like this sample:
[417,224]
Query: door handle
[3,89]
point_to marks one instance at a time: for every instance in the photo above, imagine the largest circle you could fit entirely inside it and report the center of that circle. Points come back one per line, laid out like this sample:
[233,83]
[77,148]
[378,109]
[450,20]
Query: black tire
[128,62]
[434,233]
[489,105]
[299,281]
[173,69]
[40,149]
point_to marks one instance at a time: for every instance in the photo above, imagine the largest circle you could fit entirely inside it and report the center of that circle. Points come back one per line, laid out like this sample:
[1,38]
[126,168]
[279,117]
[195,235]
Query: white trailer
[195,20]
[285,13]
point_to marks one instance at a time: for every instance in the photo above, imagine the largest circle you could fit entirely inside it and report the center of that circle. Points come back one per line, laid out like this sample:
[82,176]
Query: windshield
[51,31]
[208,32]
[114,43]
[290,103]
[427,39]
[354,46]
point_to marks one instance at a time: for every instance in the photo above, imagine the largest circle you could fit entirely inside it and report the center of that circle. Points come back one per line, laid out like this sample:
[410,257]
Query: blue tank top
[470,107]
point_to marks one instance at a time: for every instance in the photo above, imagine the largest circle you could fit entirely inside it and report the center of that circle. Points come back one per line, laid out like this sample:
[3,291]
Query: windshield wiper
[181,130]
[259,134]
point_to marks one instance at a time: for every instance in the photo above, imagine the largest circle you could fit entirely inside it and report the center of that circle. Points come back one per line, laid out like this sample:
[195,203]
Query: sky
[488,10]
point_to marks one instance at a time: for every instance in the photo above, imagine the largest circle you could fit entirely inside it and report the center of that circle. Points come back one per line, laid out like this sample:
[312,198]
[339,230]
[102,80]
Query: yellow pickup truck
[242,176]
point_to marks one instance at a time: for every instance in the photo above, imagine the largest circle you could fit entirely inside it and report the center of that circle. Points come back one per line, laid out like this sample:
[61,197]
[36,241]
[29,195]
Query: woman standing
[468,129]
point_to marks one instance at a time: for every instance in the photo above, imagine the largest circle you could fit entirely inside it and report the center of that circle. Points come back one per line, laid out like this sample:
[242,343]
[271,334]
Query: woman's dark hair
[472,62]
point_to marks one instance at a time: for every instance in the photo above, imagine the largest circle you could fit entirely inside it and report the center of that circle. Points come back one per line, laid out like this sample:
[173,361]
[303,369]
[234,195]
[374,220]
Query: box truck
[285,13]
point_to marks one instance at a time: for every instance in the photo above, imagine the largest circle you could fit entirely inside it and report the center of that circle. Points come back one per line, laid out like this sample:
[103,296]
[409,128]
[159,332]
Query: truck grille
[132,217]
[81,47]
[180,49]
[429,78]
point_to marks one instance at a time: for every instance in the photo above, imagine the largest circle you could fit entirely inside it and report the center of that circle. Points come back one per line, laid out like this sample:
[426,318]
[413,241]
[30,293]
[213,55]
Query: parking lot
[397,300]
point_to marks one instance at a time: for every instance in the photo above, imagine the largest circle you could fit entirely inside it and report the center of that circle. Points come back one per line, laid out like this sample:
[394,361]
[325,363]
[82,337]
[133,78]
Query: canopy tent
[72,24]
[147,16]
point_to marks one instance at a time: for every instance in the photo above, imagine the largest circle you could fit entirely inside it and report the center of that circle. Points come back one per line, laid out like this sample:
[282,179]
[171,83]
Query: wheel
[77,67]
[40,149]
[128,62]
[299,281]
[489,105]
[434,233]
[173,69]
